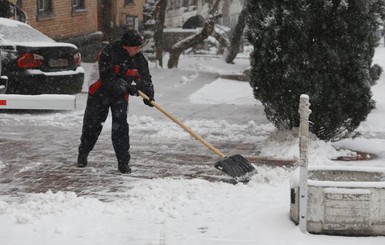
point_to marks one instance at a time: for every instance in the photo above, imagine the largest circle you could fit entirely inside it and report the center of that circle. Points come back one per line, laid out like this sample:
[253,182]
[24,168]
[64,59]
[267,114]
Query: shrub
[322,48]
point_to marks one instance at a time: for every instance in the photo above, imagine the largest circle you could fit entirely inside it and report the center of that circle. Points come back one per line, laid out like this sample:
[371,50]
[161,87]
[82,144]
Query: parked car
[35,63]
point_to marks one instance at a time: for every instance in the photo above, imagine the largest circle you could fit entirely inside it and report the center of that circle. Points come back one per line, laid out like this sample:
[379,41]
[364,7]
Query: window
[129,2]
[78,4]
[44,7]
[132,22]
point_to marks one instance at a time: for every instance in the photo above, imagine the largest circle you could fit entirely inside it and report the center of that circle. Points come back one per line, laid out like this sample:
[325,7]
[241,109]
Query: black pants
[94,117]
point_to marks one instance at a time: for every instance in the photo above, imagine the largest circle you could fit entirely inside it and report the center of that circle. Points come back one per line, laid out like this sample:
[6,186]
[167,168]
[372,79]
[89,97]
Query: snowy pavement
[174,195]
[42,146]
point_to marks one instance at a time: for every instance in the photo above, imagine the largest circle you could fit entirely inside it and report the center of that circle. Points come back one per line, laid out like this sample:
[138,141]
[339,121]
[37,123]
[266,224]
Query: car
[34,64]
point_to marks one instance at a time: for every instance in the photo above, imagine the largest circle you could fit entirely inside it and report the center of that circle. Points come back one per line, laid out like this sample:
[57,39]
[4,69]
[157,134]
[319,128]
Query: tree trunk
[189,42]
[223,40]
[237,36]
[160,13]
[193,40]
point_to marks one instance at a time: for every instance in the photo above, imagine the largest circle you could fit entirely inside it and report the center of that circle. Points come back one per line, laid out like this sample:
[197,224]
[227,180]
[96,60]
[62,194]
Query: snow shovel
[236,166]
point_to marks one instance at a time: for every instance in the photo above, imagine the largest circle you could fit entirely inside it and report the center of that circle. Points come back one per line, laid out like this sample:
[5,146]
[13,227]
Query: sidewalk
[101,179]
[42,147]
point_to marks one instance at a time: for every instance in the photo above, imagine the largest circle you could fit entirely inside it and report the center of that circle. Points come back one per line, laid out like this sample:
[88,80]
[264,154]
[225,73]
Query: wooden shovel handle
[182,125]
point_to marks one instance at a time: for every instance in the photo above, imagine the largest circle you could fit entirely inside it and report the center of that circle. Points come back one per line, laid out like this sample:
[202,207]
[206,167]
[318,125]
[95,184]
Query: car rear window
[19,33]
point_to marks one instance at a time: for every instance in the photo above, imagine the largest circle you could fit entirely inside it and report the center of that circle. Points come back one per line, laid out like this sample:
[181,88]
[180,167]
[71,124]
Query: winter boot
[124,168]
[82,161]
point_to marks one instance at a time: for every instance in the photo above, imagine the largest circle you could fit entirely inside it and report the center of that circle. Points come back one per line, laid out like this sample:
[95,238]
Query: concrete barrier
[342,200]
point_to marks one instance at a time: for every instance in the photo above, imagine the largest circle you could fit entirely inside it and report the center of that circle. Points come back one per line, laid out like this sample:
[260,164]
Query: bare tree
[222,39]
[236,39]
[160,13]
[195,39]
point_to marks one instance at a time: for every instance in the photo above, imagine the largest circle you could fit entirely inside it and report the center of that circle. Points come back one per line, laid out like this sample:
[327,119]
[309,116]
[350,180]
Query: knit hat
[132,38]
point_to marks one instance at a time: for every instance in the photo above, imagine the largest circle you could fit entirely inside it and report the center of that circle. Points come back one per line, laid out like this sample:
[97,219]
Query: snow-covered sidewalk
[169,210]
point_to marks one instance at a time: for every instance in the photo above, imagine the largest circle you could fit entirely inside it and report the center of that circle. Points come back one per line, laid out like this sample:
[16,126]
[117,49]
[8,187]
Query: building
[179,11]
[85,23]
[117,15]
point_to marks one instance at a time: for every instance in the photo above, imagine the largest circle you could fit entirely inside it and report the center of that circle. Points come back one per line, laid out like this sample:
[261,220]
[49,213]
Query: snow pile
[154,211]
[285,145]
[164,211]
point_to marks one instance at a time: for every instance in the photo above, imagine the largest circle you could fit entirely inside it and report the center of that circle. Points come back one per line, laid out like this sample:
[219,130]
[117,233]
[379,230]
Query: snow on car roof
[18,33]
[44,44]
[9,22]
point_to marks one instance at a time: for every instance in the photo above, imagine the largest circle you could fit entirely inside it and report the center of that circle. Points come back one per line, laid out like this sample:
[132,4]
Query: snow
[11,23]
[37,44]
[56,73]
[232,92]
[352,184]
[192,211]
[16,32]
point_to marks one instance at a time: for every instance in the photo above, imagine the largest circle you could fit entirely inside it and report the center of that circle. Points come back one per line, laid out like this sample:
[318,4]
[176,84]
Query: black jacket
[114,62]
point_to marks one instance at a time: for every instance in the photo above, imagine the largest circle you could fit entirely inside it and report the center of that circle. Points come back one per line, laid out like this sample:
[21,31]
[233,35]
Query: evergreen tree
[149,23]
[322,48]
[154,13]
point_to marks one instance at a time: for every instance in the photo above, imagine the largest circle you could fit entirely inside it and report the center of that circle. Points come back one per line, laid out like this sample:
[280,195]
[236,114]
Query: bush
[375,73]
[322,48]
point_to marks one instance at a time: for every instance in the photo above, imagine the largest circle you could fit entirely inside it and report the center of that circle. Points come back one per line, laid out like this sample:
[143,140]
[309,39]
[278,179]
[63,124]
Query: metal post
[304,112]
[1,61]
[3,79]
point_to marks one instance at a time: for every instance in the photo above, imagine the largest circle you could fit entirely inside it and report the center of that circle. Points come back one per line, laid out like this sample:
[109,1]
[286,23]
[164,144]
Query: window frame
[129,2]
[78,7]
[78,4]
[44,8]
[132,22]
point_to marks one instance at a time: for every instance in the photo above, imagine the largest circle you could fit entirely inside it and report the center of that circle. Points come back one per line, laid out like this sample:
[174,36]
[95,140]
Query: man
[123,70]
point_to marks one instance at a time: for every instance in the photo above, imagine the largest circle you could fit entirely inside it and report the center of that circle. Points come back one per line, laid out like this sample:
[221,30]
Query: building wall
[123,11]
[179,11]
[64,23]
[118,16]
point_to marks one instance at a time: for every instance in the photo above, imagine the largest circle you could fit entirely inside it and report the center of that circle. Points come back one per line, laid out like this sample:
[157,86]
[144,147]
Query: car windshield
[17,32]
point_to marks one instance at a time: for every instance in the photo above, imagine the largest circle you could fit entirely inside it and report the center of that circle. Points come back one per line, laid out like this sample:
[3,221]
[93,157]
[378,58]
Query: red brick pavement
[42,172]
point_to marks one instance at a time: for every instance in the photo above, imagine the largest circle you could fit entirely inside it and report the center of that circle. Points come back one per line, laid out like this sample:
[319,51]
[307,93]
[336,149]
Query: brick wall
[64,23]
[81,27]
[132,10]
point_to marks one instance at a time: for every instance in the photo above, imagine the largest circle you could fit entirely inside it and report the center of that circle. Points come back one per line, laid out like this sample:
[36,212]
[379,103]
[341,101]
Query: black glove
[148,89]
[147,102]
[132,90]
[120,87]
[131,76]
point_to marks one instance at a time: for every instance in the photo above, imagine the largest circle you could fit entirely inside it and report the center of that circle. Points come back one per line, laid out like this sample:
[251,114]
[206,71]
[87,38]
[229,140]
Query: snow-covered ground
[194,211]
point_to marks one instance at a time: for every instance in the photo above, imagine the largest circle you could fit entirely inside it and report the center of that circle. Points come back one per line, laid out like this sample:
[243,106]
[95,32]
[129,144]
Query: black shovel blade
[237,167]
